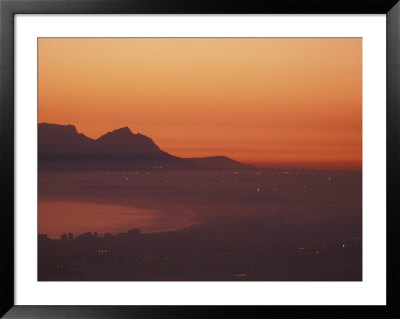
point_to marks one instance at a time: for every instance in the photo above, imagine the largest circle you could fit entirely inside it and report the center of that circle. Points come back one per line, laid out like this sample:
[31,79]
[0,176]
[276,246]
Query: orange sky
[265,101]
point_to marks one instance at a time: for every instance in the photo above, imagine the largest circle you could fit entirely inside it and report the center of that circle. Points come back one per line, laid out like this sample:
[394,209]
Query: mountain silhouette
[126,147]
[62,145]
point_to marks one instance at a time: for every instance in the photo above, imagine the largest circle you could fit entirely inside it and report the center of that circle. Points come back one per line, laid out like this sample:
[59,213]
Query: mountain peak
[122,131]
[71,129]
[123,138]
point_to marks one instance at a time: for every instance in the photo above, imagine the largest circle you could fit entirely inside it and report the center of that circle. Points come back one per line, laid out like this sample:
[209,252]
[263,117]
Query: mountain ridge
[63,145]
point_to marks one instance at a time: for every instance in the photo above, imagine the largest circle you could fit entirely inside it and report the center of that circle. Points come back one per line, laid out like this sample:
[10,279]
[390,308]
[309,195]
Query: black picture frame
[8,9]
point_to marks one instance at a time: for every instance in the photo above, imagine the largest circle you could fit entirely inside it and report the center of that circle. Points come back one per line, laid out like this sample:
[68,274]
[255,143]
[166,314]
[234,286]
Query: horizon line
[255,164]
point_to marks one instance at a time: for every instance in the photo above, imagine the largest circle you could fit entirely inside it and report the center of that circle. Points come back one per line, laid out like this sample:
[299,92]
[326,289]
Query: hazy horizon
[281,165]
[269,101]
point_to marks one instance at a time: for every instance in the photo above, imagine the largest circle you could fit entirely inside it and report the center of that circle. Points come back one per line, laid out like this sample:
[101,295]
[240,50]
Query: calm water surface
[57,217]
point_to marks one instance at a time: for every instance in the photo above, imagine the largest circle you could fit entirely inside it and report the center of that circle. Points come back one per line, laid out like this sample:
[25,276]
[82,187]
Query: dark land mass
[225,252]
[62,147]
[297,225]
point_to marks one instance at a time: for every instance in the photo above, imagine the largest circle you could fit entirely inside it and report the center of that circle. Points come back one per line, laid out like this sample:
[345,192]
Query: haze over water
[166,199]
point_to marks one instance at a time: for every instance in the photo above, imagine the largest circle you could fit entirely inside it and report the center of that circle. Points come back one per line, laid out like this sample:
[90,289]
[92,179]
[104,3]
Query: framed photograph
[163,154]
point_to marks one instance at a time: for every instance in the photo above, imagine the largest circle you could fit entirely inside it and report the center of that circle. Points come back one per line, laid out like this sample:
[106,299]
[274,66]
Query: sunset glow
[263,101]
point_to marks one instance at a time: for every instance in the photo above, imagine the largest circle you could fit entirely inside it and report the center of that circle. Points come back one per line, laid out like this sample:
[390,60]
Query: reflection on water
[159,200]
[57,217]
[256,225]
